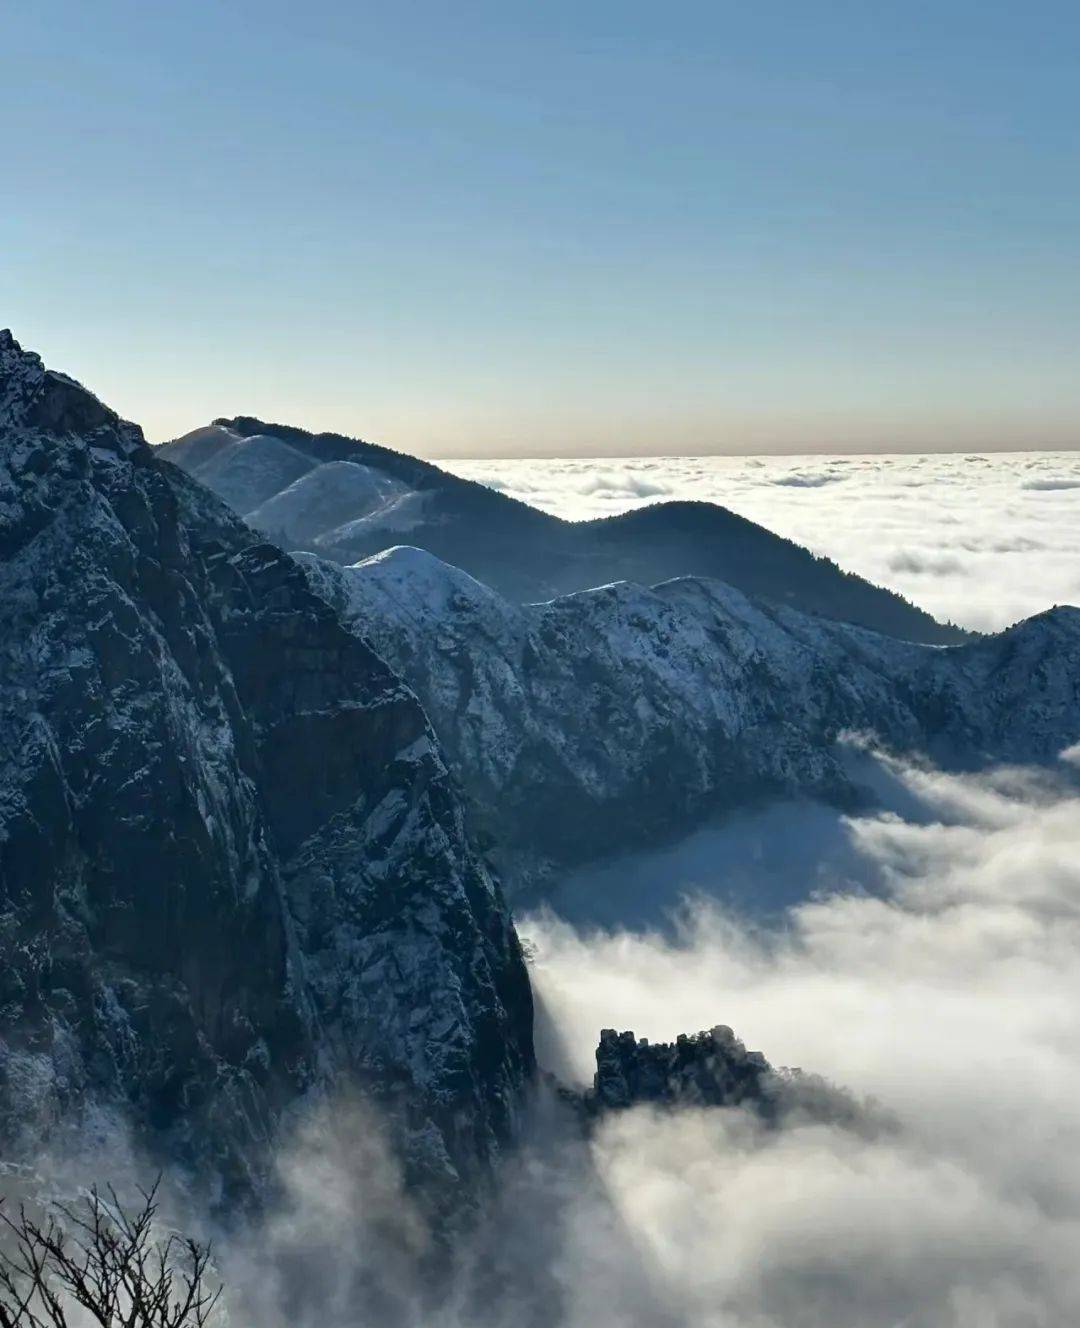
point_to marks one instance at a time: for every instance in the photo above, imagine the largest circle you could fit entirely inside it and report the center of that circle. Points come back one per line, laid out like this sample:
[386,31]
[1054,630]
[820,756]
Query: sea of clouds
[939,985]
[930,967]
[942,981]
[982,540]
[925,957]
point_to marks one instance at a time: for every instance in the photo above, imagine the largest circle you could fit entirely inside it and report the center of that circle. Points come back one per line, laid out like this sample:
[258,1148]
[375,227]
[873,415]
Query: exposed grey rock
[233,868]
[709,1069]
[714,1069]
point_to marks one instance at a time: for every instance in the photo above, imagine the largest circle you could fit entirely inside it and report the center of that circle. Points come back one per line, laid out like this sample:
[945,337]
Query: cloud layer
[950,998]
[982,540]
[939,985]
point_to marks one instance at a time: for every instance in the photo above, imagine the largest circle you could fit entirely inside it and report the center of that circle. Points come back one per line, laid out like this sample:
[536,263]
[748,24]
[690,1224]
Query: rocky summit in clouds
[626,716]
[233,869]
[344,500]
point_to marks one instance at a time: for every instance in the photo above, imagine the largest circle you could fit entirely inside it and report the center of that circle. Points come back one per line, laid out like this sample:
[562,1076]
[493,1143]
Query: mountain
[234,872]
[345,500]
[626,716]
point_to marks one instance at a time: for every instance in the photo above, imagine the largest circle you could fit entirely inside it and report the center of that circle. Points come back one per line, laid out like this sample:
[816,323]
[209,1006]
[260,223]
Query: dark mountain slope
[524,554]
[233,870]
[652,544]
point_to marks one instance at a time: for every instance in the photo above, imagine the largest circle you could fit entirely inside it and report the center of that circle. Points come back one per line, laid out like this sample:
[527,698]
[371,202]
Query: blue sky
[562,228]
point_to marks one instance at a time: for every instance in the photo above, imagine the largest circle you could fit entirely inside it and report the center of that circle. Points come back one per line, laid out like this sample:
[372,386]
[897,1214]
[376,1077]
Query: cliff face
[233,870]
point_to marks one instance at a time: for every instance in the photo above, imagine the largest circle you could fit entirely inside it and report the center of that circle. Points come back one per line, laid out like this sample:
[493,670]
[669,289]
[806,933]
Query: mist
[937,984]
[934,984]
[949,998]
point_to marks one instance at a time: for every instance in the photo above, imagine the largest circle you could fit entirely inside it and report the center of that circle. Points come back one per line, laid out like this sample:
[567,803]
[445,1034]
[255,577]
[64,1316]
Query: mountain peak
[34,397]
[1061,620]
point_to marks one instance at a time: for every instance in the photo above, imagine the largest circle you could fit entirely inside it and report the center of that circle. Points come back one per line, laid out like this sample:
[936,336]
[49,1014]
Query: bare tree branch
[107,1261]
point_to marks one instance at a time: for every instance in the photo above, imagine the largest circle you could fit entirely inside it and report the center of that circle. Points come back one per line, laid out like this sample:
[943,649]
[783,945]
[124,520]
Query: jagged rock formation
[709,1069]
[625,716]
[346,500]
[233,869]
[714,1069]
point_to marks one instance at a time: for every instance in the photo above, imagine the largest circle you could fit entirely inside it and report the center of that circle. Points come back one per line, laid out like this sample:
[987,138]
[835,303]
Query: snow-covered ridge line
[628,714]
[33,397]
[294,498]
[344,500]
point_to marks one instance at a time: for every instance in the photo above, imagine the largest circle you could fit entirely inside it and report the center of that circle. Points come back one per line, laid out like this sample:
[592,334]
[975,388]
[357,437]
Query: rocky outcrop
[626,716]
[233,868]
[710,1069]
[713,1069]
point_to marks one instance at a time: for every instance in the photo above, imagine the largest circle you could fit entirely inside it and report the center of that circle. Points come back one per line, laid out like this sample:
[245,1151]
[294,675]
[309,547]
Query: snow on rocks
[234,871]
[626,714]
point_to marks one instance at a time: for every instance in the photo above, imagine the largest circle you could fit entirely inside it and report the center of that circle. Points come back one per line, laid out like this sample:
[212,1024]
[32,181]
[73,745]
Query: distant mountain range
[345,500]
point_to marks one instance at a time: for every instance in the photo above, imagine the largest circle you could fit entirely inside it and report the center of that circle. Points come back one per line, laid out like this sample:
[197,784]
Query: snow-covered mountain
[233,869]
[345,500]
[627,716]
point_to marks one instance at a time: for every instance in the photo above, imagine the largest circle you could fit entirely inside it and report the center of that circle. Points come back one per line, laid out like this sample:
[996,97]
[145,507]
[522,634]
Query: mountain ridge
[616,716]
[529,555]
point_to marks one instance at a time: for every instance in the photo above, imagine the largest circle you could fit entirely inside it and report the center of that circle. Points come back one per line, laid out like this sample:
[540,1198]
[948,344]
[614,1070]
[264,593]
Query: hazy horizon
[583,454]
[817,454]
[568,231]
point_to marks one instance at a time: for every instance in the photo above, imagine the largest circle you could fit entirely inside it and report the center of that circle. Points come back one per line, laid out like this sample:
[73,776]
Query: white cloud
[983,540]
[952,999]
[343,1243]
[941,982]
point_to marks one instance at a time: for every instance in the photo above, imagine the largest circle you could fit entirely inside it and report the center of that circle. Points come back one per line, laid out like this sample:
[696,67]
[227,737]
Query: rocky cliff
[714,1069]
[233,869]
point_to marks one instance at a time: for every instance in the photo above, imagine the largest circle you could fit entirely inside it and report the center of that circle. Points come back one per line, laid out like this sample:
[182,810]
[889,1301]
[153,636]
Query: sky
[505,229]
